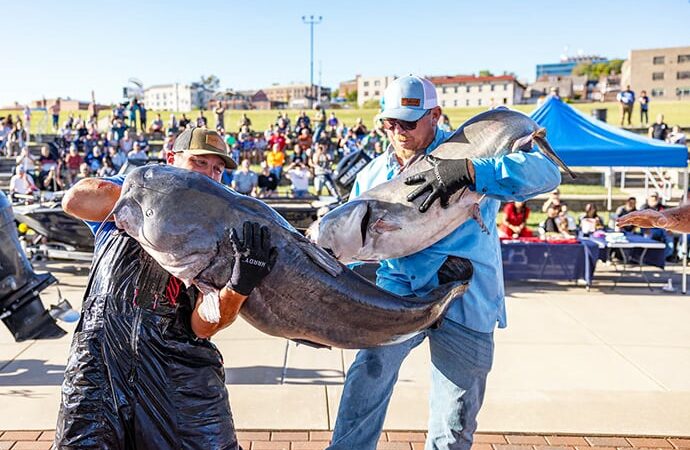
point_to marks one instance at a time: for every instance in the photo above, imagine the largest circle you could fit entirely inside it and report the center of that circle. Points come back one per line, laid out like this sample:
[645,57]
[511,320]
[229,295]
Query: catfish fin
[310,343]
[321,258]
[539,137]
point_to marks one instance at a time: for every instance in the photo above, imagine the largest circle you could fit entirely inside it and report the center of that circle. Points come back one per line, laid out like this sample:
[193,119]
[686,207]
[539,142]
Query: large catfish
[183,220]
[382,224]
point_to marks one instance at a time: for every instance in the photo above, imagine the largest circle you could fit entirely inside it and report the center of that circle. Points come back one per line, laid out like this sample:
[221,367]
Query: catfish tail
[539,138]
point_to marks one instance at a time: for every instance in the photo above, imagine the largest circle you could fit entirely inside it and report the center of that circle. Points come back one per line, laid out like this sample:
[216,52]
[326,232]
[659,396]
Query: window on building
[377,93]
[455,89]
[657,76]
[492,87]
[479,88]
[505,87]
[683,91]
[505,100]
[479,102]
[683,59]
[467,89]
[443,90]
[684,75]
[366,83]
[657,92]
[366,93]
[377,83]
[659,60]
[455,103]
[467,102]
[443,103]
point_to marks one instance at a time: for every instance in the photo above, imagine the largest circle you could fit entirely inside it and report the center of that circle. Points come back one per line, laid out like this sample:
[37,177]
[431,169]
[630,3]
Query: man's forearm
[230,304]
[91,199]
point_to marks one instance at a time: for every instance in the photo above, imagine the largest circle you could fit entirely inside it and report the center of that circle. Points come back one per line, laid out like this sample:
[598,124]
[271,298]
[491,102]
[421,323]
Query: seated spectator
[278,138]
[267,183]
[299,176]
[117,157]
[137,152]
[21,184]
[349,144]
[554,199]
[275,160]
[244,180]
[658,234]
[570,225]
[17,139]
[47,161]
[184,122]
[332,123]
[304,140]
[52,181]
[630,206]
[282,126]
[94,159]
[108,169]
[676,136]
[25,159]
[550,224]
[157,124]
[126,143]
[590,220]
[143,142]
[514,223]
[360,130]
[321,164]
[84,172]
[73,161]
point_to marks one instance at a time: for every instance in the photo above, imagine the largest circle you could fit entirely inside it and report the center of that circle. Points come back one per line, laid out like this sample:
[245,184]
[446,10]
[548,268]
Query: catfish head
[351,230]
[173,222]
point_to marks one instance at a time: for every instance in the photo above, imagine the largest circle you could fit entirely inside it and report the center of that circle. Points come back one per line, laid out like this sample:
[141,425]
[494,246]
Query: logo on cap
[214,140]
[406,101]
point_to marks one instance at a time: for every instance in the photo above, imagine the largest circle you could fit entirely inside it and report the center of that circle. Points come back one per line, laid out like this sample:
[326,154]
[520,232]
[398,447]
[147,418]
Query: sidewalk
[395,440]
[608,362]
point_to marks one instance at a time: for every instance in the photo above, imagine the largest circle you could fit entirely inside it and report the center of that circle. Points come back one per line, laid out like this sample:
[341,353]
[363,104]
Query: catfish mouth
[128,214]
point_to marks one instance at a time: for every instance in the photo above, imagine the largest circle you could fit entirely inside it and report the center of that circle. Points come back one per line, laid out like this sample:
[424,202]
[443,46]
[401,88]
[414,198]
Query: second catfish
[382,224]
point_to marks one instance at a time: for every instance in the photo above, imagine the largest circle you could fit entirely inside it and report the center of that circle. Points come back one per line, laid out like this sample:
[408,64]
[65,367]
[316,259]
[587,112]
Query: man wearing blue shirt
[462,346]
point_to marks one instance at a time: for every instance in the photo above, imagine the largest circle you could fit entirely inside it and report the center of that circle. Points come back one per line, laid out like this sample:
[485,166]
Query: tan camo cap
[200,141]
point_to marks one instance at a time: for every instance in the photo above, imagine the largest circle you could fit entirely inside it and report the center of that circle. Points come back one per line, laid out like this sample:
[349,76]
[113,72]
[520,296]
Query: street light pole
[311,21]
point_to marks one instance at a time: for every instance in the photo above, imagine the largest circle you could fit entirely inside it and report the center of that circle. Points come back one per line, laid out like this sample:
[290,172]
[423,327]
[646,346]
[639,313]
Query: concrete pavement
[601,362]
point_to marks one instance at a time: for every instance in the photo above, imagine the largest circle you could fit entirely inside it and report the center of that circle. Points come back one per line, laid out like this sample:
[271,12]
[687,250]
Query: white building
[371,88]
[468,90]
[175,97]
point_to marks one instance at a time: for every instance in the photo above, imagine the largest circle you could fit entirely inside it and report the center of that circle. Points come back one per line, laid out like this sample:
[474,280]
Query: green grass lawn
[676,112]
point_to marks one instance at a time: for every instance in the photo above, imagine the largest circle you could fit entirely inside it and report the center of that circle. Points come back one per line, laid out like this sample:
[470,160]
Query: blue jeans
[460,362]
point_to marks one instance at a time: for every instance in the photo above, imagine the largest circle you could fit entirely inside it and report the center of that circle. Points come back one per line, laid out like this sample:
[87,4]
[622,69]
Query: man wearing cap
[462,344]
[141,371]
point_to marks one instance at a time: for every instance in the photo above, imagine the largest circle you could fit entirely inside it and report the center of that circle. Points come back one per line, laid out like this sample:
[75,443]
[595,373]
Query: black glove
[445,178]
[254,257]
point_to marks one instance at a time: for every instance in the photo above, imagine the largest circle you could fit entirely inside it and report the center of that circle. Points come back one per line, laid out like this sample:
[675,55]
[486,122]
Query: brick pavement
[397,440]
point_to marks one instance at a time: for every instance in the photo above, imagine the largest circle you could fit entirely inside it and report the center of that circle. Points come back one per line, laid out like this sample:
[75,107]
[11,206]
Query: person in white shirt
[299,175]
[21,183]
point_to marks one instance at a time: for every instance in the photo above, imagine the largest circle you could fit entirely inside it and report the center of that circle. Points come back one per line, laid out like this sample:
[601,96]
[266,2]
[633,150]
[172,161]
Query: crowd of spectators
[298,153]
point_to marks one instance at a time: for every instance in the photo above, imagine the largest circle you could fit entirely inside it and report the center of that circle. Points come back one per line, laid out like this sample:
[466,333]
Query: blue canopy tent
[581,140]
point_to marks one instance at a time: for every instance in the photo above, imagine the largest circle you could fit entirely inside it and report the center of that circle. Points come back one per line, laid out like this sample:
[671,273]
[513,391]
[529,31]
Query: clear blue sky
[69,47]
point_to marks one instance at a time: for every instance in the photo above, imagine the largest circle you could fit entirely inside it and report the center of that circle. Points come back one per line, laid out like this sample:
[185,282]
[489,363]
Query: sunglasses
[405,125]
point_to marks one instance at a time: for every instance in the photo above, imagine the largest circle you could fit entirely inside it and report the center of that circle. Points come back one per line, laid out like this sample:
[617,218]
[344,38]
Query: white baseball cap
[408,98]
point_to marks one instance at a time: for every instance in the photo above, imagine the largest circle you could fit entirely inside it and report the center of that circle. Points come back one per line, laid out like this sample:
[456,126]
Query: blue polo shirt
[514,177]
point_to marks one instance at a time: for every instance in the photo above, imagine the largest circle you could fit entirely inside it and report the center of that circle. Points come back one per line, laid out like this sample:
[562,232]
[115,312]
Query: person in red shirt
[277,138]
[73,160]
[514,223]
